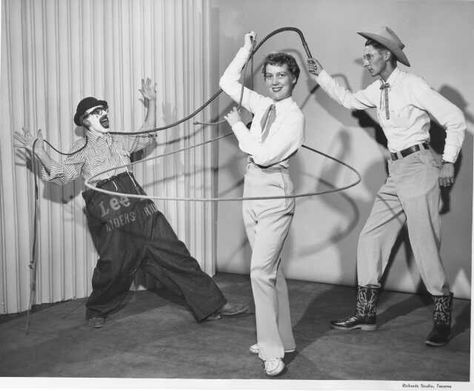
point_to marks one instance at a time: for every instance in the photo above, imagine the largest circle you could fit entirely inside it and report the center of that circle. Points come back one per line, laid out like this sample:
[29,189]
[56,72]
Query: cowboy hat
[390,40]
[86,104]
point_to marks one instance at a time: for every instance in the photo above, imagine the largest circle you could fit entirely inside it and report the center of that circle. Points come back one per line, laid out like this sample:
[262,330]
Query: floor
[155,337]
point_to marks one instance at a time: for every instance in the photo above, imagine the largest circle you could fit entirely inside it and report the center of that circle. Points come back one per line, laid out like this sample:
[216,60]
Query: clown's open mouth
[104,121]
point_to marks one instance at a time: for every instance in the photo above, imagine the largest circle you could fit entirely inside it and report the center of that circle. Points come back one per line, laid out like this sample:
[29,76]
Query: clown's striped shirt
[103,152]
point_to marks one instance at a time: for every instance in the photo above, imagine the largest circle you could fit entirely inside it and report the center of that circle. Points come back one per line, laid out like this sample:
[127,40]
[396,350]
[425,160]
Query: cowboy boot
[441,330]
[364,317]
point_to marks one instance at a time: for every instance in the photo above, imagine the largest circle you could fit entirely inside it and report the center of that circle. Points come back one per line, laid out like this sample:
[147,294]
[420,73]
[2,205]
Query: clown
[128,233]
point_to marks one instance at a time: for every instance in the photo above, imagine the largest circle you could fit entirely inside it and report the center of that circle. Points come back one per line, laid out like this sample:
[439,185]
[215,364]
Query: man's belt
[408,151]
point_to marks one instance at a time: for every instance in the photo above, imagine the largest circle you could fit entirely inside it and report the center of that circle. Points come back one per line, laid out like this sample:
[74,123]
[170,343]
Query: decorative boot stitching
[442,309]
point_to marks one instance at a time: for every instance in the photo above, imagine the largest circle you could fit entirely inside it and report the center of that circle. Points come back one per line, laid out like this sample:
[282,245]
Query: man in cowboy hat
[128,233]
[411,193]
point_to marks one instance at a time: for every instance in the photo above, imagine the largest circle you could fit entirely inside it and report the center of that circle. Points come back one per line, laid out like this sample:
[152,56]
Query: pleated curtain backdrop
[54,53]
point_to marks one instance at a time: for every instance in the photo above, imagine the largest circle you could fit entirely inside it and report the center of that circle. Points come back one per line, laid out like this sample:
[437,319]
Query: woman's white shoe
[274,367]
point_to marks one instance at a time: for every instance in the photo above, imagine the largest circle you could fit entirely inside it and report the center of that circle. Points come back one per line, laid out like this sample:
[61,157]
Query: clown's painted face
[97,119]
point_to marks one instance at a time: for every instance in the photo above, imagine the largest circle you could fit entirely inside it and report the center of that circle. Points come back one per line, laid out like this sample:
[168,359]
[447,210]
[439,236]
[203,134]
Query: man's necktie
[267,120]
[384,92]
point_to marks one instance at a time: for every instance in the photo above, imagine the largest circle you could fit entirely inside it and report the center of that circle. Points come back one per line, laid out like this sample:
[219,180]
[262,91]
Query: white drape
[54,53]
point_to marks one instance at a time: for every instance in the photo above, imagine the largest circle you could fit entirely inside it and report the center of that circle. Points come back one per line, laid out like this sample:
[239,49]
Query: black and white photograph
[236,194]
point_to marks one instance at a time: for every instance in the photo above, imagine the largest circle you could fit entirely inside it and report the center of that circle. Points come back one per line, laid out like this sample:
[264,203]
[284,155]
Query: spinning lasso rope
[193,114]
[300,195]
